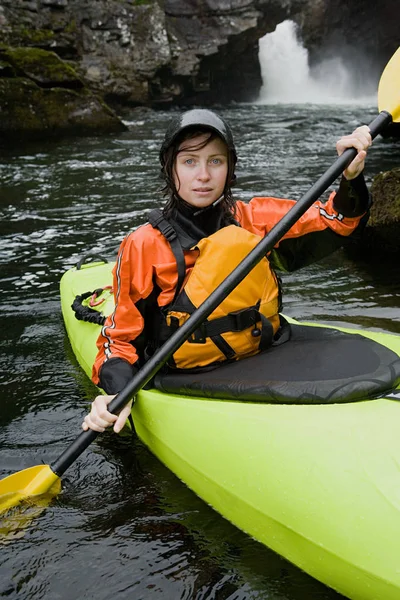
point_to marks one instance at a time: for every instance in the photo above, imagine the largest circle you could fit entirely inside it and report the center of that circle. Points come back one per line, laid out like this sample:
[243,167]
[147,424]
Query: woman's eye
[216,161]
[189,161]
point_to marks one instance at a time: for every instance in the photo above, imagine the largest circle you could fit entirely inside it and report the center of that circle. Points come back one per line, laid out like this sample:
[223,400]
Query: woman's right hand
[361,140]
[99,418]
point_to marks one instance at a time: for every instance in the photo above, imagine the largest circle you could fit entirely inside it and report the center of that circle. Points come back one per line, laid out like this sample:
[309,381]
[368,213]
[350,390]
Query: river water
[124,527]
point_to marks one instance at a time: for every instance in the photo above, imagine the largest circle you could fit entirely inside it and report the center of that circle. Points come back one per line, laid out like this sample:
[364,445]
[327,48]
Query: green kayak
[295,463]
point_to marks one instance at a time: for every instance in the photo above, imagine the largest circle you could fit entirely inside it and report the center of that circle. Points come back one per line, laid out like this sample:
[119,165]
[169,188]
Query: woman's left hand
[361,140]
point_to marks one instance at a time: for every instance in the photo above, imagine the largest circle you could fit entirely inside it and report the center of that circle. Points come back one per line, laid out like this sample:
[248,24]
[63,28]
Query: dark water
[124,526]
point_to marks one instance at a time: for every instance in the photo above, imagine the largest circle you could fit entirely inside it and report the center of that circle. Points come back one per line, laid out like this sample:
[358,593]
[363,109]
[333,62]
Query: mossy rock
[21,35]
[381,236]
[42,66]
[385,192]
[28,112]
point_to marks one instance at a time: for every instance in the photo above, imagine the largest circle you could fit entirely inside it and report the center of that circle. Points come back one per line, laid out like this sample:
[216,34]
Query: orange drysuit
[146,269]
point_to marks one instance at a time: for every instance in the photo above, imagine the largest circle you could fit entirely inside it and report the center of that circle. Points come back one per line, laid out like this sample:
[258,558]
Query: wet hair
[174,201]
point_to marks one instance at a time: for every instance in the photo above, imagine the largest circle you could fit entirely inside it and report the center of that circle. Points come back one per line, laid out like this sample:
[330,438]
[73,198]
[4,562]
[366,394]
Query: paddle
[41,479]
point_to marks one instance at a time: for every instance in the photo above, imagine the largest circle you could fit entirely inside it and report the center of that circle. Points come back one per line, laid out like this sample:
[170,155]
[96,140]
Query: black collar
[191,225]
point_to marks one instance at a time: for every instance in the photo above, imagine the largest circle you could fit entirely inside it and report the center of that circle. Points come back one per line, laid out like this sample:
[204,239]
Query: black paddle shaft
[154,364]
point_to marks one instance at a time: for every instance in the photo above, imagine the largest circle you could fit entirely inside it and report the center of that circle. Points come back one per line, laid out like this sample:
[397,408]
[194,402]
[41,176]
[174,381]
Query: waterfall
[287,77]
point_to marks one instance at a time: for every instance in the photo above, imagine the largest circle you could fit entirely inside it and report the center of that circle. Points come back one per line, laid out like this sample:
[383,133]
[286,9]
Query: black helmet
[201,117]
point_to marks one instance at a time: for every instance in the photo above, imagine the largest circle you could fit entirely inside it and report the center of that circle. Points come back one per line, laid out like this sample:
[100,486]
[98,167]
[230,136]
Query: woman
[200,222]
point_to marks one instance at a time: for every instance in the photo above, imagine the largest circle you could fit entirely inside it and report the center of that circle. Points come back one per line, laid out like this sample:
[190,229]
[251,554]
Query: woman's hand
[99,418]
[361,140]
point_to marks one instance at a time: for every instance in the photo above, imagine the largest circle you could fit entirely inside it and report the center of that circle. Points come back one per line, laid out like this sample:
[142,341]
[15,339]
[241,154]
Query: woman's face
[200,173]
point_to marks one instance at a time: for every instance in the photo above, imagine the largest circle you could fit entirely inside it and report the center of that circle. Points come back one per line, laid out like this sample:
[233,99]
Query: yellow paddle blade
[15,520]
[389,88]
[25,484]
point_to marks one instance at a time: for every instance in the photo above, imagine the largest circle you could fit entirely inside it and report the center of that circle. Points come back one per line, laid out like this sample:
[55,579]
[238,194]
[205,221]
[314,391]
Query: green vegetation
[71,27]
[27,37]
[41,65]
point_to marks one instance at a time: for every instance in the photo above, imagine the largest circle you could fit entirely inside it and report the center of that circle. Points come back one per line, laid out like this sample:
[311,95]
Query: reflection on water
[124,526]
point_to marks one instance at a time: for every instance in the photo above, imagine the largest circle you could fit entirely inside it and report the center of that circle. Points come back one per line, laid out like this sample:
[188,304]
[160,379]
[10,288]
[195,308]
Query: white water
[287,77]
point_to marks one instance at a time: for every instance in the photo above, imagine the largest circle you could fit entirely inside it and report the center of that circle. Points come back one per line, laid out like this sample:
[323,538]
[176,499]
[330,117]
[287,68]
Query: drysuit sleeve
[324,227]
[352,198]
[115,363]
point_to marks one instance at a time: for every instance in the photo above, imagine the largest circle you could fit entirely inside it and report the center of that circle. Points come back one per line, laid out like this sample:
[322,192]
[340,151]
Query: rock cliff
[152,52]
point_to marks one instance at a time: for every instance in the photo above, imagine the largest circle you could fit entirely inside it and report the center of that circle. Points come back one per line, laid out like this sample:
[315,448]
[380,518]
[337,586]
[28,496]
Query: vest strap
[223,346]
[158,221]
[267,333]
[235,321]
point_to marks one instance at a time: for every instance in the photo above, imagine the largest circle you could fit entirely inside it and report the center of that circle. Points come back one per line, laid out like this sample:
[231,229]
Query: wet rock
[362,36]
[42,96]
[44,68]
[382,232]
